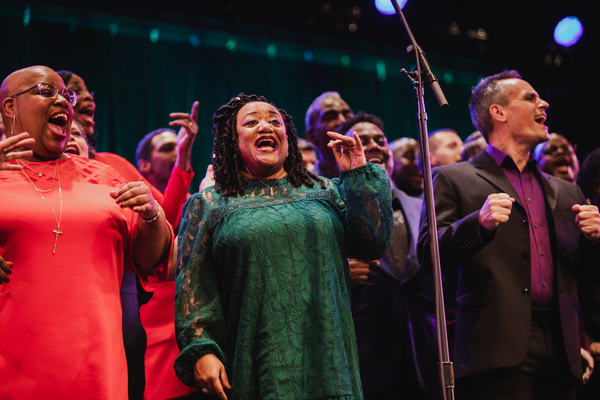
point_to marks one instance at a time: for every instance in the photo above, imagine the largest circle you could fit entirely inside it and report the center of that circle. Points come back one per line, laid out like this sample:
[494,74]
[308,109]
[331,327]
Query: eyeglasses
[552,150]
[49,91]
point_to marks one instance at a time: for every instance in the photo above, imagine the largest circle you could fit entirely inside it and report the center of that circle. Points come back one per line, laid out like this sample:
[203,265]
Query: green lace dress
[263,283]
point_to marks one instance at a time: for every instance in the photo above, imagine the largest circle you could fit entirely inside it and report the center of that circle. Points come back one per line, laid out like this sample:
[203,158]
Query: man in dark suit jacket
[392,298]
[518,238]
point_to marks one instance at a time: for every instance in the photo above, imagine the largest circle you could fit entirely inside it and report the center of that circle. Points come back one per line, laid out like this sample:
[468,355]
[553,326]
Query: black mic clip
[413,76]
[428,74]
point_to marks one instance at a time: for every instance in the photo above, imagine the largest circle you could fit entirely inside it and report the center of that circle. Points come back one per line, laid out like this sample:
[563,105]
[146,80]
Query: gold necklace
[40,172]
[270,187]
[59,219]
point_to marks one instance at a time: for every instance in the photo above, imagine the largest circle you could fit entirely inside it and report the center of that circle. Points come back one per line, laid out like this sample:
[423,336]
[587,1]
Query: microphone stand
[446,370]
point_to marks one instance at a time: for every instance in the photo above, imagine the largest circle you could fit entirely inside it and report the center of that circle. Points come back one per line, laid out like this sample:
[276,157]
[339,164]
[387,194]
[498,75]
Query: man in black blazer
[519,239]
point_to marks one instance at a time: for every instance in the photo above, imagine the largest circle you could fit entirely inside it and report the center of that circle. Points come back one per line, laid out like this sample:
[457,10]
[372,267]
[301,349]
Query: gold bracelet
[151,220]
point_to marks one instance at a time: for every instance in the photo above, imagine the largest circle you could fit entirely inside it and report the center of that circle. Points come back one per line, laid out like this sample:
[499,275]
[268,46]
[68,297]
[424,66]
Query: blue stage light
[568,31]
[309,56]
[386,7]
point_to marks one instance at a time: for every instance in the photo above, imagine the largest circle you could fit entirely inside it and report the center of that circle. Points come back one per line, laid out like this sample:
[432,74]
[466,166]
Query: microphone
[431,78]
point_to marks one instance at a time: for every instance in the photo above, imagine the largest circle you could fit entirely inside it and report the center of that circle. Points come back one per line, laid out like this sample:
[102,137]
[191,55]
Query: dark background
[292,51]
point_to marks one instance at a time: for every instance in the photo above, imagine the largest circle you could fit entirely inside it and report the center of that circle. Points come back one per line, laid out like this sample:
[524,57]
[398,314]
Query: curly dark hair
[226,159]
[589,174]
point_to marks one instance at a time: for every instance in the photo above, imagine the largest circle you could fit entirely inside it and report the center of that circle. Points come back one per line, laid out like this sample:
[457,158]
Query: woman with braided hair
[262,308]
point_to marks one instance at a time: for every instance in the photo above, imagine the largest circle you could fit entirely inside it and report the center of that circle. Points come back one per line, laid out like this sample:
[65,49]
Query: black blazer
[493,304]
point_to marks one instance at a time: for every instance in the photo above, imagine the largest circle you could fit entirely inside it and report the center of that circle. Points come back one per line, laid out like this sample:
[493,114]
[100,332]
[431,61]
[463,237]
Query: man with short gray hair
[520,238]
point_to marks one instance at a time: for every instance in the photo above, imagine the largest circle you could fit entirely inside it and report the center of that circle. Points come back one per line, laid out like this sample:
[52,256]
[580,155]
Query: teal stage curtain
[141,70]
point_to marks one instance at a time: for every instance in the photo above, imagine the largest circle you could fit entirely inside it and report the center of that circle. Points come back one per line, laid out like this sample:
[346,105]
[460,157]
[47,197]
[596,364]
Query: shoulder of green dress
[329,184]
[208,197]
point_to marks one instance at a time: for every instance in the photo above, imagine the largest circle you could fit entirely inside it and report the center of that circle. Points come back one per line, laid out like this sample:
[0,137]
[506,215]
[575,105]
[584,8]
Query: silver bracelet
[151,220]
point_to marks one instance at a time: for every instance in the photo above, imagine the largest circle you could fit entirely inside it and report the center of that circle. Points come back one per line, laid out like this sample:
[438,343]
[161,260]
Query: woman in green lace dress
[262,309]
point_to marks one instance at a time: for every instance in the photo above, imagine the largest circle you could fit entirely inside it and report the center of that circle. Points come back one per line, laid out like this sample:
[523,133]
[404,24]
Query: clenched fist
[495,210]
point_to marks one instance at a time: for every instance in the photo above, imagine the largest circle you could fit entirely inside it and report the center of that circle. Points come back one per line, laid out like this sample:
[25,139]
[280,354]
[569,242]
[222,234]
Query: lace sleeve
[199,320]
[367,194]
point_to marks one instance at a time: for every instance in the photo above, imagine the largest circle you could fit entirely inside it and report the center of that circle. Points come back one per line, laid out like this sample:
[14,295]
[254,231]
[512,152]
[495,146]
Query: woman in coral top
[69,226]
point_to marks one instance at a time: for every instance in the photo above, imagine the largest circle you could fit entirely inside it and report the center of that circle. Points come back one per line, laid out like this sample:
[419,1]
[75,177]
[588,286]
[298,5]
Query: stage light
[194,41]
[231,45]
[568,31]
[448,77]
[386,7]
[154,35]
[26,16]
[381,70]
[309,56]
[113,28]
[345,60]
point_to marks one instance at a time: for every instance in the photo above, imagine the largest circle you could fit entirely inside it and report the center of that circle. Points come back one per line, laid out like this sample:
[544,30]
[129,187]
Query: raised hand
[13,148]
[186,136]
[495,210]
[348,150]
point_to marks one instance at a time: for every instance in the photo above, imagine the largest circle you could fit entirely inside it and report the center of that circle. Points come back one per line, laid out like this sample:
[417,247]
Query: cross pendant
[57,232]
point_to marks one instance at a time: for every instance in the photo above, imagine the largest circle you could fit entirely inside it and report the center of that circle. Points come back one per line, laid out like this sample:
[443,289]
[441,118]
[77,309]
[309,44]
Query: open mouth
[86,114]
[562,162]
[57,122]
[375,159]
[540,119]
[376,156]
[266,143]
[73,149]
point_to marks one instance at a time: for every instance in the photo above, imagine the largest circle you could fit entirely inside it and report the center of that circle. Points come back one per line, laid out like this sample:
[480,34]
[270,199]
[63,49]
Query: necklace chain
[270,187]
[59,219]
[37,172]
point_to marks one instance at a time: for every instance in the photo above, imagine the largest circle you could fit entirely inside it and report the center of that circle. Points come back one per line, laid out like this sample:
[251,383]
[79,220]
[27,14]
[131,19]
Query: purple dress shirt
[529,189]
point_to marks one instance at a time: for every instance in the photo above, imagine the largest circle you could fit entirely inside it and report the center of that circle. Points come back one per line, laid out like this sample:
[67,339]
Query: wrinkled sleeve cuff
[186,361]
